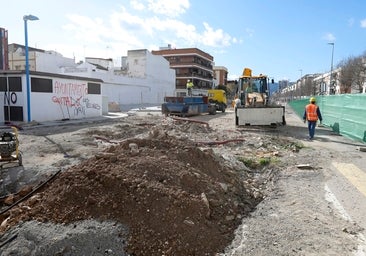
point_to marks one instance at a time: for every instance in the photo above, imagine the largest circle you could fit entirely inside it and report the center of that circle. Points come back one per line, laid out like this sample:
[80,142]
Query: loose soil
[154,185]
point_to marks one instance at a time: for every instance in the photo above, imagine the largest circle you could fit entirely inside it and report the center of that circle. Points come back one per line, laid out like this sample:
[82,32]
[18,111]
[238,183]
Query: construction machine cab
[252,90]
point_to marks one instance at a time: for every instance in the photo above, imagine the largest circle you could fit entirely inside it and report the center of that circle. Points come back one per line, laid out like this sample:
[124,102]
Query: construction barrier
[344,113]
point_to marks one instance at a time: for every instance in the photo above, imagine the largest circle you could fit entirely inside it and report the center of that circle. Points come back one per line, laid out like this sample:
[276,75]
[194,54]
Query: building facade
[68,90]
[143,80]
[39,60]
[4,64]
[220,75]
[189,64]
[51,97]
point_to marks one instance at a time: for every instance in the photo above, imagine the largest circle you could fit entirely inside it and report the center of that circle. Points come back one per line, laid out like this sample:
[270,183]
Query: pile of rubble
[163,194]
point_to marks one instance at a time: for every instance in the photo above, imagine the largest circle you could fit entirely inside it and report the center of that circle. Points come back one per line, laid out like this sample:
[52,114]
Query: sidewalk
[325,139]
[110,117]
[35,124]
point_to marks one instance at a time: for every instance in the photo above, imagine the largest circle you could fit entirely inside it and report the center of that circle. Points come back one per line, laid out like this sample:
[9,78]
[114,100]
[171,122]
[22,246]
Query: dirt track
[158,186]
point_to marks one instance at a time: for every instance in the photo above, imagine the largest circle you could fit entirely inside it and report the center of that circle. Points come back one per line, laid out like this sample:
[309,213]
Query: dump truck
[218,97]
[253,102]
[187,106]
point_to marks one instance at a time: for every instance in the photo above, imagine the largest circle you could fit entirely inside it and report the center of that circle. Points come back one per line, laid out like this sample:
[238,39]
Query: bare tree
[352,74]
[361,73]
[346,75]
[310,86]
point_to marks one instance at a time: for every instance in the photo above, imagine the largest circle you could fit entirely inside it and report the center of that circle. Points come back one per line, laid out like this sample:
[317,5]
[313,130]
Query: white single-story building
[83,90]
[143,80]
[50,97]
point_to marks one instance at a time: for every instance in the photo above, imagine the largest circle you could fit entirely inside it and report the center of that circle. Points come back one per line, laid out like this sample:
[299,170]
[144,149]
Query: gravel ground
[154,185]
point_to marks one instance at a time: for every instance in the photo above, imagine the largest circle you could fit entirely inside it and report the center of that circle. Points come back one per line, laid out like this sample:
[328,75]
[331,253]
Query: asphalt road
[346,187]
[342,184]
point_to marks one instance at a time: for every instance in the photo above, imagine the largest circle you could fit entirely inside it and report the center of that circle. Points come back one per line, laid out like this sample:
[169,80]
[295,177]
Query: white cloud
[363,23]
[329,37]
[86,28]
[128,29]
[168,7]
[95,35]
[188,34]
[130,23]
[215,38]
[137,5]
[169,30]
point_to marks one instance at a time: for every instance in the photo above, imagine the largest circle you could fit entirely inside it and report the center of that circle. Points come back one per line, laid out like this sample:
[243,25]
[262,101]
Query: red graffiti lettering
[70,88]
[65,101]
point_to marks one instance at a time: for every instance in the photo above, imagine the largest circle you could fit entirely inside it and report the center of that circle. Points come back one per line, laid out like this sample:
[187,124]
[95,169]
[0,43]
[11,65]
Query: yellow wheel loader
[253,105]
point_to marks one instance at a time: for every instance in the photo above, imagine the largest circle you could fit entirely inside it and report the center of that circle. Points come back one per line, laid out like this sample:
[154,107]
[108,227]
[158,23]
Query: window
[15,113]
[41,84]
[15,84]
[94,88]
[3,84]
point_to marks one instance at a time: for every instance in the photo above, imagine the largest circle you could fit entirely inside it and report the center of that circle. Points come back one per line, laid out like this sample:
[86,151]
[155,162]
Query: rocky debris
[175,196]
[87,237]
[362,149]
[305,166]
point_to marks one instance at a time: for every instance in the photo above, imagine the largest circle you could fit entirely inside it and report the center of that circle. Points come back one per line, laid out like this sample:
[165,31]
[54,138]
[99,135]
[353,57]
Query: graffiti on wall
[10,97]
[72,98]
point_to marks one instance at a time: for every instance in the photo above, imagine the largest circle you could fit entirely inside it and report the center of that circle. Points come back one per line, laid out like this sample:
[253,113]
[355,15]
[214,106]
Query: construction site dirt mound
[149,184]
[175,197]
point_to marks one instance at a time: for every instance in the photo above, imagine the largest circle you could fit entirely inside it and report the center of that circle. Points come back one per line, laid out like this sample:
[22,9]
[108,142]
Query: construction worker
[312,115]
[189,86]
[236,102]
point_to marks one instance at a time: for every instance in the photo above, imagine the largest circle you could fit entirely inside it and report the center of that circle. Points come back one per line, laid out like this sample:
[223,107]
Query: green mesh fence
[345,114]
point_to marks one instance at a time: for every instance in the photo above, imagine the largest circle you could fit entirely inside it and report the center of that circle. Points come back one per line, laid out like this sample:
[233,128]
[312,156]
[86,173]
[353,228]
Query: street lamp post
[26,18]
[300,82]
[331,84]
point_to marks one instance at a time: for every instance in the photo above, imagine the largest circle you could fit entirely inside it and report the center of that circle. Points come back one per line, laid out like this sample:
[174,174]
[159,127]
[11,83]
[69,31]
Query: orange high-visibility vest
[311,114]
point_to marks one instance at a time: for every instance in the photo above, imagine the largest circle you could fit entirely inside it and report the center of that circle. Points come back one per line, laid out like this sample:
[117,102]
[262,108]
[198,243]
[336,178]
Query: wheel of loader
[212,109]
[223,108]
[20,159]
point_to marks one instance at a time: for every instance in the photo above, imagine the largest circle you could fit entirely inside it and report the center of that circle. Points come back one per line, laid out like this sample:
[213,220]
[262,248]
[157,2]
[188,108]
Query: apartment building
[220,75]
[192,64]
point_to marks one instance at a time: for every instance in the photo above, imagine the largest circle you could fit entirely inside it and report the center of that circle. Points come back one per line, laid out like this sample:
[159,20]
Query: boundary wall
[344,113]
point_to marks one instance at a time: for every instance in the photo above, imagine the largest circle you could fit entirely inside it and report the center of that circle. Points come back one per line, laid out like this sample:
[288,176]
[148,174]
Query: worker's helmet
[188,80]
[312,100]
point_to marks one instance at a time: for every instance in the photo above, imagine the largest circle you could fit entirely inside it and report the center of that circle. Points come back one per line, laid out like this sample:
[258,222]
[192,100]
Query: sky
[284,39]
